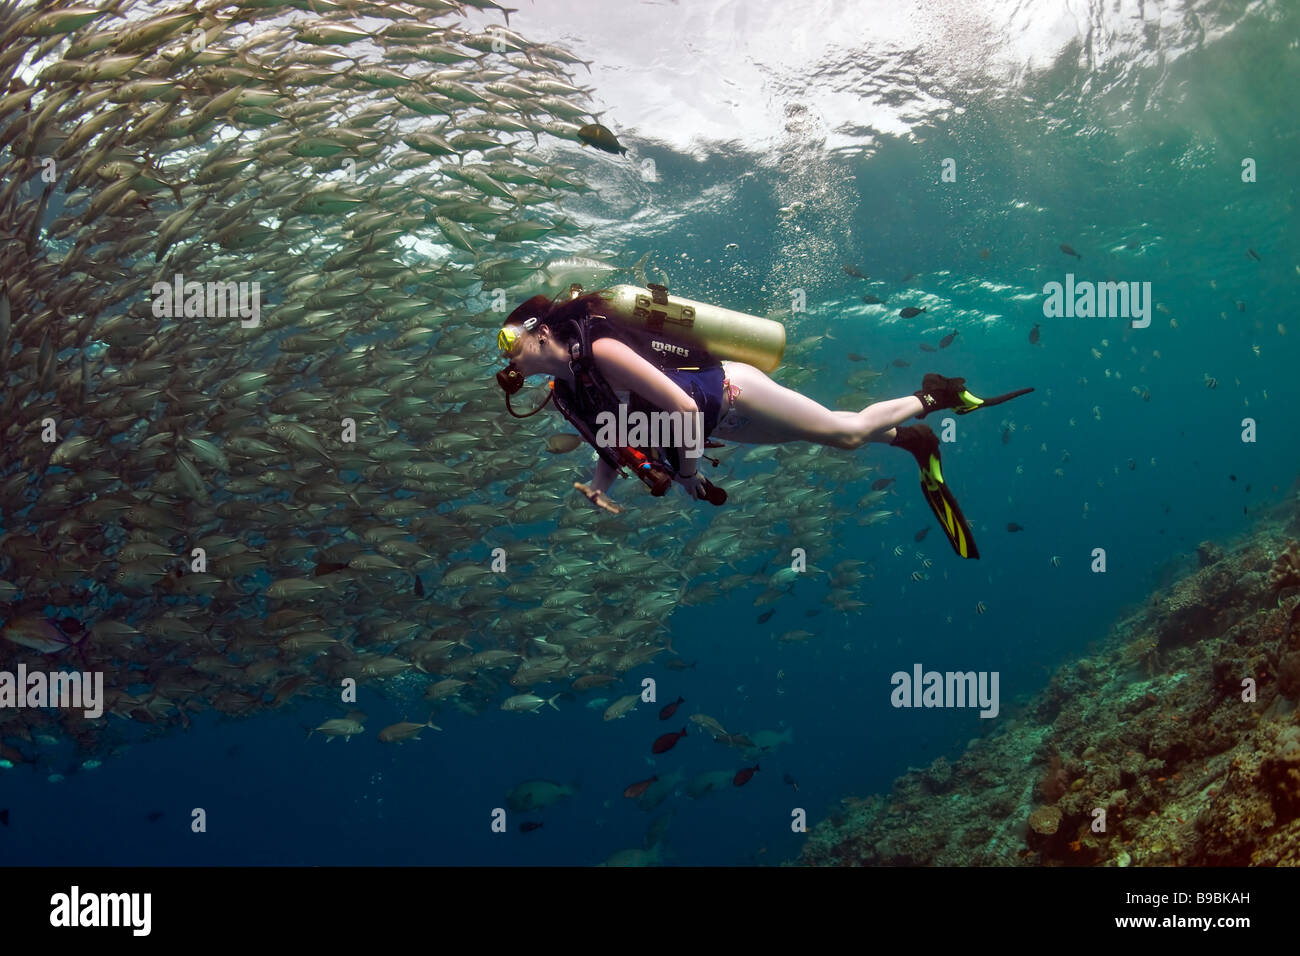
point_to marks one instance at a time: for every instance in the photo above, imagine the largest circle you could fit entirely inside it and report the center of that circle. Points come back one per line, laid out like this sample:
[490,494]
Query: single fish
[667,742]
[670,709]
[593,134]
[855,357]
[1069,251]
[901,363]
[791,781]
[528,826]
[1033,335]
[947,340]
[403,730]
[1253,254]
[928,348]
[742,776]
[873,299]
[855,272]
[766,615]
[911,311]
[880,484]
[559,444]
[920,535]
[635,790]
[1012,526]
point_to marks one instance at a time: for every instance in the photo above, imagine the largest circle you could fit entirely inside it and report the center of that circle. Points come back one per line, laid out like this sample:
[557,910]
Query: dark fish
[1033,335]
[928,348]
[812,612]
[1132,465]
[870,299]
[1253,254]
[947,340]
[855,357]
[880,484]
[1232,477]
[419,587]
[766,615]
[910,311]
[528,826]
[909,277]
[1132,244]
[1012,526]
[69,625]
[635,790]
[791,781]
[742,776]
[901,363]
[1069,251]
[4,816]
[677,664]
[985,252]
[920,535]
[1006,435]
[155,816]
[667,742]
[855,272]
[670,709]
[593,134]
[327,567]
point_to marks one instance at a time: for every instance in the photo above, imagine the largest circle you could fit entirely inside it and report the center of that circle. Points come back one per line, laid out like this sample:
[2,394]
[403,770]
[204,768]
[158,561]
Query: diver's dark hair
[560,315]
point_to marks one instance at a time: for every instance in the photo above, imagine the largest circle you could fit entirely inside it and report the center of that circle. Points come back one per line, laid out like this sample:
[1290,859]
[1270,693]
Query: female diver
[596,363]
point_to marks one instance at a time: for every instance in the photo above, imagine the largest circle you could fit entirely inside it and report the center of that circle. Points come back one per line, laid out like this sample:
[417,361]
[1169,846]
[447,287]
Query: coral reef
[1176,743]
[1285,572]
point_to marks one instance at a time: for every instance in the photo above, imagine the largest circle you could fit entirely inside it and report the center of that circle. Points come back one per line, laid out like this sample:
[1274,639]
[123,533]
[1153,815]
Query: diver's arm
[627,371]
[595,492]
[604,476]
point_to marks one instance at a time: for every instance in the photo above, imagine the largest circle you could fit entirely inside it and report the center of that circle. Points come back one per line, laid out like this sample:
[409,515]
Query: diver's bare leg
[771,414]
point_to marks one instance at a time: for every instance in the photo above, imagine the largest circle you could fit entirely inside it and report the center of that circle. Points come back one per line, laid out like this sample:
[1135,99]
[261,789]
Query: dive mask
[508,337]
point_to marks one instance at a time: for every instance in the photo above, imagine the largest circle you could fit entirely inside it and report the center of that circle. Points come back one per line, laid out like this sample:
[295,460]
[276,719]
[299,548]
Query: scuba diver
[629,349]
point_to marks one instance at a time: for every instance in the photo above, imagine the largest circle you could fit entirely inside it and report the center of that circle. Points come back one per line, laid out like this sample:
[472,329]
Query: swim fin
[939,393]
[921,441]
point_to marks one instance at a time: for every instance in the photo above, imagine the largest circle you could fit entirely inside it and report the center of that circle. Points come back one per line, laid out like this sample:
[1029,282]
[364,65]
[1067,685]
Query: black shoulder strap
[564,399]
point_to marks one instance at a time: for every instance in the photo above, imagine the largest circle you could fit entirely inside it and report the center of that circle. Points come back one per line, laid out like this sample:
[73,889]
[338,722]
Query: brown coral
[1285,572]
[1045,820]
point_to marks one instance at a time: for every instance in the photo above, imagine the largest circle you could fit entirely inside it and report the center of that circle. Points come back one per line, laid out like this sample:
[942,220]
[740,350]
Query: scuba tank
[721,332]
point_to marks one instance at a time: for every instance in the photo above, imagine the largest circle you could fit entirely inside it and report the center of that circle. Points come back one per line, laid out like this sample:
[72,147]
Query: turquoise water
[1125,144]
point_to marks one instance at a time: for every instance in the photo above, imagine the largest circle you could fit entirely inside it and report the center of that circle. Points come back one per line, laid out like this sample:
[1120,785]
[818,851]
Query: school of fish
[230,509]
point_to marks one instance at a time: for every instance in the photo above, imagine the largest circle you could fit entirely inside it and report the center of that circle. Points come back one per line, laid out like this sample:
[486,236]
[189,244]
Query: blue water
[1092,156]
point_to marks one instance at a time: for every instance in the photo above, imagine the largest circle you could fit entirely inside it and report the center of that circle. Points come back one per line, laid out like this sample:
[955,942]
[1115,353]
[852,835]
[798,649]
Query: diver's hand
[598,498]
[693,485]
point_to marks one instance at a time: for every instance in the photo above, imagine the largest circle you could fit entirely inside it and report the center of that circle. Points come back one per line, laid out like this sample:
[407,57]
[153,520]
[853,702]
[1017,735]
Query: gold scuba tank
[723,333]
